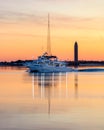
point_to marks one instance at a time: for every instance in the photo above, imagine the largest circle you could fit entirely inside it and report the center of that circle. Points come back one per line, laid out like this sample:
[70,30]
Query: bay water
[52,101]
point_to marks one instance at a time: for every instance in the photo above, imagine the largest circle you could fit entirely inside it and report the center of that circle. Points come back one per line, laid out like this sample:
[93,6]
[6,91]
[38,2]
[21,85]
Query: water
[64,101]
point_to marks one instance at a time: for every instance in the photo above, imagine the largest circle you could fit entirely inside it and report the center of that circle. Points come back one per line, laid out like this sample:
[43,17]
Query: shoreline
[22,63]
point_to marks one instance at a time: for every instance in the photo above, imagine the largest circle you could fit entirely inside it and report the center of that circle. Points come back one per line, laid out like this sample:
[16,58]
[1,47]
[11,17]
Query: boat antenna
[48,37]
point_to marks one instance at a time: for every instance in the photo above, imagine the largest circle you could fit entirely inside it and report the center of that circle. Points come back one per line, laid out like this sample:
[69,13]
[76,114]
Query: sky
[23,28]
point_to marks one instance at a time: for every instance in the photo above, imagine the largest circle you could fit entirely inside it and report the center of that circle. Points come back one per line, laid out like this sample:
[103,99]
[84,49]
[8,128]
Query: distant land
[69,63]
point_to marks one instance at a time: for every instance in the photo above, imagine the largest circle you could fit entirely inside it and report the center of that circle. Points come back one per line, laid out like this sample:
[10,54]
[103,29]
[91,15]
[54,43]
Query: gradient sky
[23,28]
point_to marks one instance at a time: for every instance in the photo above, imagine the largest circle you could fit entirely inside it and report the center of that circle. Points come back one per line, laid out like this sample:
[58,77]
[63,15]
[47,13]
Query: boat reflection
[55,85]
[49,86]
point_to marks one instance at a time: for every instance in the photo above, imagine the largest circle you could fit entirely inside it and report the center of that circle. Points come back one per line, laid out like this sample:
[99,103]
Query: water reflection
[76,84]
[53,85]
[54,100]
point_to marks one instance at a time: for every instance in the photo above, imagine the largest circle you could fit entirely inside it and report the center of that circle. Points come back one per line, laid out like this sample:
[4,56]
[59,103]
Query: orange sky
[23,29]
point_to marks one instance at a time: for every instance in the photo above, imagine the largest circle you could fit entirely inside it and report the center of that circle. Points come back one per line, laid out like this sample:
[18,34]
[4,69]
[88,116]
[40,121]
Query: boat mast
[48,38]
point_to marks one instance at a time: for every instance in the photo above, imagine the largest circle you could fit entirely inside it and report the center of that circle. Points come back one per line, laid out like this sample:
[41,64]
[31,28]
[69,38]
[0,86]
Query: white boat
[48,64]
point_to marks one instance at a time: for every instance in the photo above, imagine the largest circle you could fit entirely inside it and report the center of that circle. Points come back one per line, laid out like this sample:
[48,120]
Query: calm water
[64,101]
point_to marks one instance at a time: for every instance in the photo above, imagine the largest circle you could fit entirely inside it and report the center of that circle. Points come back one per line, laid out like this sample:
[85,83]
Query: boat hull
[49,69]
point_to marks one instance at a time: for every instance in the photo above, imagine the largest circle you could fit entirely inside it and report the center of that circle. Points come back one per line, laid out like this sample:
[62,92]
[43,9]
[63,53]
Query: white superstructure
[47,63]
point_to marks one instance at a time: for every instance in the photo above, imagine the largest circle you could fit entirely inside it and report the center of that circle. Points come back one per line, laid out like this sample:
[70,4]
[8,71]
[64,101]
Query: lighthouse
[76,54]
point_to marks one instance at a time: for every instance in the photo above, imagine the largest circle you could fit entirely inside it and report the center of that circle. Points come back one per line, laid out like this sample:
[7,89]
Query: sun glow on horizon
[23,30]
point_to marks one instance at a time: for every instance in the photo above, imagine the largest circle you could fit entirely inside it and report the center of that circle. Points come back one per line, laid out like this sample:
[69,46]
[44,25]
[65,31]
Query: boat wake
[91,70]
[74,70]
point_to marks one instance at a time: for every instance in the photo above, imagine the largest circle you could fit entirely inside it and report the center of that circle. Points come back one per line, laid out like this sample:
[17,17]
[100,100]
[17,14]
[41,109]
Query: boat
[48,63]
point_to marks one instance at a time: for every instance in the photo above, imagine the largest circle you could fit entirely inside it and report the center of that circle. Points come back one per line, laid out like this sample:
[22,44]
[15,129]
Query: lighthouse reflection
[76,84]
